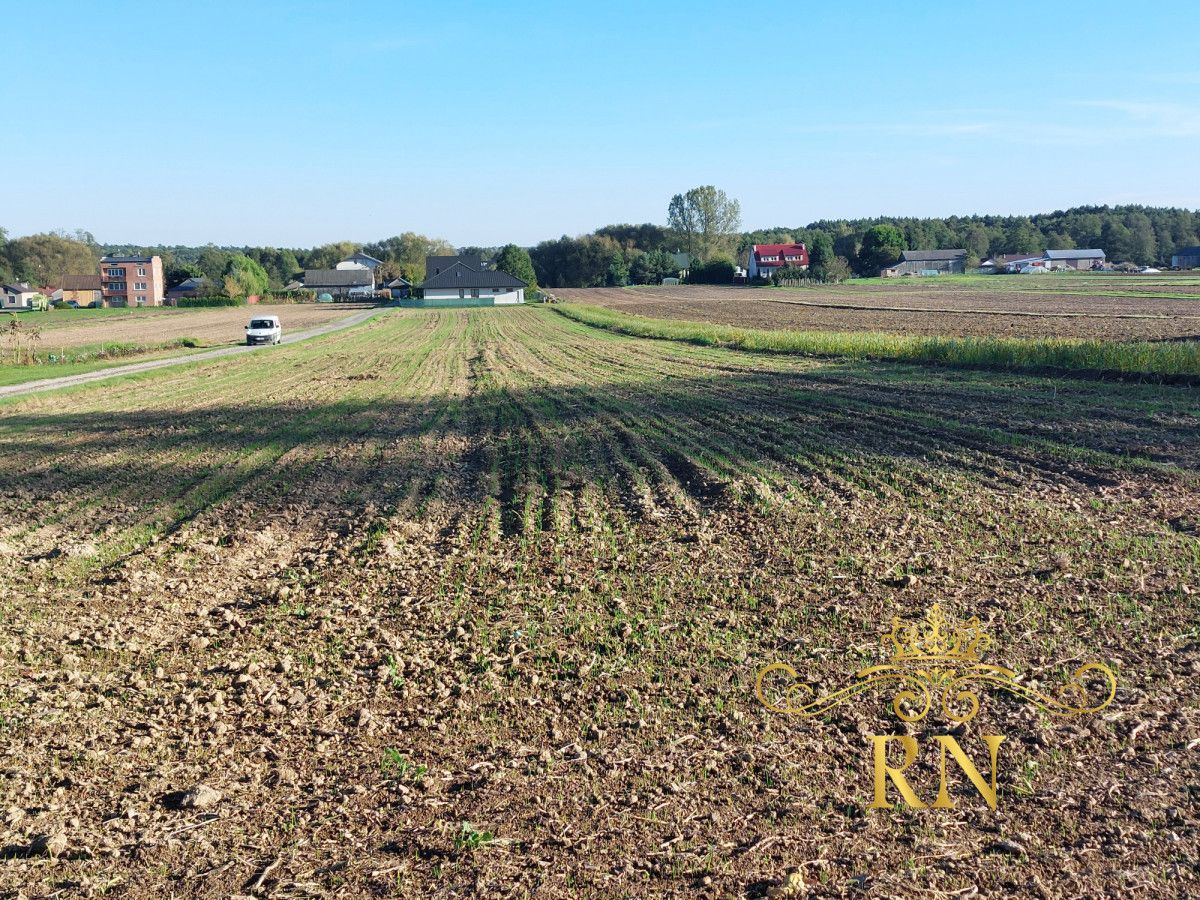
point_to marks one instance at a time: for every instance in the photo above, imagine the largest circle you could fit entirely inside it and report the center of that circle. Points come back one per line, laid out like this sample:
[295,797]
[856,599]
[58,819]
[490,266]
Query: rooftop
[1074,254]
[932,255]
[461,276]
[314,278]
[81,282]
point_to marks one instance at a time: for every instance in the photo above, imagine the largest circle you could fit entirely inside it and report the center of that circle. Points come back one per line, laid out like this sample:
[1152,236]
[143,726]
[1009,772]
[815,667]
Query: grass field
[471,603]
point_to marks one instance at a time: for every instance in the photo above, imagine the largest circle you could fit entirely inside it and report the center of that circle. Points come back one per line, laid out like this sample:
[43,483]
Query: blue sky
[299,123]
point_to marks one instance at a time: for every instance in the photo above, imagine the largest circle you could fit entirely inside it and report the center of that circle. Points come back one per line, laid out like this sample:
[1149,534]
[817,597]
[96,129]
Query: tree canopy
[707,220]
[881,246]
[45,258]
[516,262]
[243,277]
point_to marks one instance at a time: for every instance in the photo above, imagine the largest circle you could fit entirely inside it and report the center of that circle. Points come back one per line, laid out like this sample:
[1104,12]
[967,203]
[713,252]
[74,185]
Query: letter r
[883,771]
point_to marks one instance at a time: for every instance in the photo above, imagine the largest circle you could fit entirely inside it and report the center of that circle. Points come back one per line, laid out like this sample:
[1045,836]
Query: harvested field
[83,327]
[900,306]
[471,603]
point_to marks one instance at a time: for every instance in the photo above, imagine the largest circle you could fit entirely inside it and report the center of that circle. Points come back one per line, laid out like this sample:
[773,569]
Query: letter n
[993,742]
[883,771]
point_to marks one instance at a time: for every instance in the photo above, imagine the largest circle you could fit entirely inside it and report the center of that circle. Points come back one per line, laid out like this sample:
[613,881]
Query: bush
[201,302]
[715,271]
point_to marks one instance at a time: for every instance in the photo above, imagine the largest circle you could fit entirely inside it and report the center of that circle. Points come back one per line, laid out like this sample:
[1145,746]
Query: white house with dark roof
[462,281]
[17,296]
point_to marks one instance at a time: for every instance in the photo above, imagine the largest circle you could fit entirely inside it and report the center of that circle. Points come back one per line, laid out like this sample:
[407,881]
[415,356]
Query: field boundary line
[975,312]
[65,381]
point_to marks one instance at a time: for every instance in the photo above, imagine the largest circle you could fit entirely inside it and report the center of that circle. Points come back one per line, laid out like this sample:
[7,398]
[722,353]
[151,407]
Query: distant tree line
[1144,235]
[702,222]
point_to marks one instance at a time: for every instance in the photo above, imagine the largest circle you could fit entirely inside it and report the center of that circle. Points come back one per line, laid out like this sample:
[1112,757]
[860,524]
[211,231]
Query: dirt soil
[471,604]
[153,326]
[906,308]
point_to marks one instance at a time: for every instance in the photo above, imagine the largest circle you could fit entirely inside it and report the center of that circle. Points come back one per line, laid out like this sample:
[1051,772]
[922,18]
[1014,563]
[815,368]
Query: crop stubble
[544,563]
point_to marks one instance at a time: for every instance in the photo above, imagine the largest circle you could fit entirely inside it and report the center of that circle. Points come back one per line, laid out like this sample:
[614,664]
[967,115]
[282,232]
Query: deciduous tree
[244,277]
[707,220]
[45,258]
[516,262]
[881,246]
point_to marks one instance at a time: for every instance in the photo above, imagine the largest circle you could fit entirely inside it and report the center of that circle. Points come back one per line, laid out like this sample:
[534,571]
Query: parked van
[264,330]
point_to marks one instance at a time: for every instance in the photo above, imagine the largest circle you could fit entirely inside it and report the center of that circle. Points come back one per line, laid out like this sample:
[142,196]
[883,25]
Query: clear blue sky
[300,123]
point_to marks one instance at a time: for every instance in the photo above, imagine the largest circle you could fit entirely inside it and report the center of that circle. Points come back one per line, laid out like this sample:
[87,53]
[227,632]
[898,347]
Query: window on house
[141,270]
[115,273]
[474,293]
[461,294]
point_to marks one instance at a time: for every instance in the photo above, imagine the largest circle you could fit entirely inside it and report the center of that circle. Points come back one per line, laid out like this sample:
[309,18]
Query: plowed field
[471,604]
[906,307]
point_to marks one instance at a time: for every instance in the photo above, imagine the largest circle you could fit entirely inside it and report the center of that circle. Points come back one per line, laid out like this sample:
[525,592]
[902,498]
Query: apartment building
[132,280]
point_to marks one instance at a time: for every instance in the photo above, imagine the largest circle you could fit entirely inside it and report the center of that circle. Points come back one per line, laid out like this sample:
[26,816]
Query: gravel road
[50,384]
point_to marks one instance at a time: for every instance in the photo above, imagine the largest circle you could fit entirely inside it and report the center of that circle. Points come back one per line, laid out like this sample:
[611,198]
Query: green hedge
[196,302]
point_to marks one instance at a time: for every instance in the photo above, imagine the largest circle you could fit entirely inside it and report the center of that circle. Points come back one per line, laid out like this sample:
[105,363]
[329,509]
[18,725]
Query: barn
[921,262]
[1186,258]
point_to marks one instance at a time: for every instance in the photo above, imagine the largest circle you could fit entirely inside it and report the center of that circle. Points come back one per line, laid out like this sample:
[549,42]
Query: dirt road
[51,384]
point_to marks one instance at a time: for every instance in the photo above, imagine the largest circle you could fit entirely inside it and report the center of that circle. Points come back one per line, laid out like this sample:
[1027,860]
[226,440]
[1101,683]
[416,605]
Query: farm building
[83,289]
[341,283]
[459,284]
[400,288]
[195,286]
[920,262]
[1186,258]
[1075,259]
[766,259]
[1015,262]
[1008,261]
[360,260]
[17,296]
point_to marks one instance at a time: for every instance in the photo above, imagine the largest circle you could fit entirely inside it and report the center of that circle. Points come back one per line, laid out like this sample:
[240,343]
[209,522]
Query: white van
[264,330]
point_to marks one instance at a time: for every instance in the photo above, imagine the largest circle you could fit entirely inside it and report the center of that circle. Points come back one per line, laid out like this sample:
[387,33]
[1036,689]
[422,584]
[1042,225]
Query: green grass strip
[1166,361]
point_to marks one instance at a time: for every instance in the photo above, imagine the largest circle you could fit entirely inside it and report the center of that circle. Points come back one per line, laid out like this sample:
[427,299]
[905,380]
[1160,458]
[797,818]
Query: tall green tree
[881,247]
[45,258]
[405,253]
[516,262]
[244,277]
[213,262]
[707,220]
[653,267]
[329,255]
[820,255]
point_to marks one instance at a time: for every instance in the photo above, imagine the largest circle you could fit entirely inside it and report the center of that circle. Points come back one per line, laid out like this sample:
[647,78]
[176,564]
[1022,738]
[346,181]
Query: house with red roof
[768,258]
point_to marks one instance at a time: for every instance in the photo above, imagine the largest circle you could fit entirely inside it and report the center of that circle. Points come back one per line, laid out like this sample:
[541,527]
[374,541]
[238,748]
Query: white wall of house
[507,297]
[23,300]
[350,264]
[517,295]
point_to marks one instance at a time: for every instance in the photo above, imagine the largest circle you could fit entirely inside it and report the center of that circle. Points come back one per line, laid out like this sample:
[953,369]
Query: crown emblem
[937,662]
[936,638]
